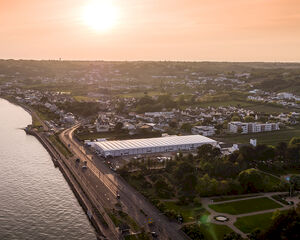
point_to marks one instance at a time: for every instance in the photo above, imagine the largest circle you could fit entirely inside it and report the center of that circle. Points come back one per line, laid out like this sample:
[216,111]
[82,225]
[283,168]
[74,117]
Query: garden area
[207,231]
[249,223]
[245,206]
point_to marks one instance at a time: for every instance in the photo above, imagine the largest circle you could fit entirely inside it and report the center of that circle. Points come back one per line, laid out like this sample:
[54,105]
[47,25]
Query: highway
[110,184]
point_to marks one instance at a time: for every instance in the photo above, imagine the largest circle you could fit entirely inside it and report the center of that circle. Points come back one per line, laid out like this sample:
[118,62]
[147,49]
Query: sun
[100,15]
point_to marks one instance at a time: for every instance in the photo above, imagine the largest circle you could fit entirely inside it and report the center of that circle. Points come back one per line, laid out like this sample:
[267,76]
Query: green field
[140,94]
[258,107]
[189,212]
[245,206]
[84,99]
[60,146]
[269,138]
[225,103]
[228,198]
[249,223]
[214,231]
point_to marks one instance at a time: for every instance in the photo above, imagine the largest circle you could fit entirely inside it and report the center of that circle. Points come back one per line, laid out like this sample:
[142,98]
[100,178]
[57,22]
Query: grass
[258,107]
[268,108]
[60,146]
[189,213]
[120,217]
[269,138]
[36,123]
[250,223]
[141,236]
[84,99]
[140,94]
[213,231]
[234,103]
[228,198]
[245,206]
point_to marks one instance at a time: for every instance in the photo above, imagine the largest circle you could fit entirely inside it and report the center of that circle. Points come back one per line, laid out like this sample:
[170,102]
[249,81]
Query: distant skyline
[183,30]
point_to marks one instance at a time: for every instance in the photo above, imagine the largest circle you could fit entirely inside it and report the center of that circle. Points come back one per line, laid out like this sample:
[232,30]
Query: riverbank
[36,201]
[75,186]
[60,161]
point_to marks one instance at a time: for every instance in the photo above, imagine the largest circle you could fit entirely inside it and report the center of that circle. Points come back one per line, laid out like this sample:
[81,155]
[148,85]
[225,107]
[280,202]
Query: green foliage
[245,206]
[207,231]
[193,231]
[84,109]
[186,127]
[232,236]
[284,226]
[251,180]
[251,223]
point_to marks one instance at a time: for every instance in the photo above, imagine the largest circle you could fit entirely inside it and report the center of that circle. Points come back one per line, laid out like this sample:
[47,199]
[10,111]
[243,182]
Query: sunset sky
[215,30]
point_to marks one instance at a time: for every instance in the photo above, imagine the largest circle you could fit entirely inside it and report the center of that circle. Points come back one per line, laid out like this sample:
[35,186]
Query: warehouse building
[151,145]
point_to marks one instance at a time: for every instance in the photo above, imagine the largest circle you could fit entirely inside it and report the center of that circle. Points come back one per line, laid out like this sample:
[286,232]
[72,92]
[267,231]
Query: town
[187,136]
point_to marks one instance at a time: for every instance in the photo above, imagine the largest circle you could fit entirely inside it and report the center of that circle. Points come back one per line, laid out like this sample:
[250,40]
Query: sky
[184,30]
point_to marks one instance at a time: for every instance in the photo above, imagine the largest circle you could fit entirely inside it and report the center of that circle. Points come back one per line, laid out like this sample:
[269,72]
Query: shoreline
[74,185]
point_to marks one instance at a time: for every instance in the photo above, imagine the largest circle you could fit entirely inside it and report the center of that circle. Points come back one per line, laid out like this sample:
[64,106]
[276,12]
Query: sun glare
[101,15]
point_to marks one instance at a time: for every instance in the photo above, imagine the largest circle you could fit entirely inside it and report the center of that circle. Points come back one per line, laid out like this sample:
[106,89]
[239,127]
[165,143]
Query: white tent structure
[151,145]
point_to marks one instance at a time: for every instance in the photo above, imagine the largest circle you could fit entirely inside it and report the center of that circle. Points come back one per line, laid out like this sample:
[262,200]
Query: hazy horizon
[152,30]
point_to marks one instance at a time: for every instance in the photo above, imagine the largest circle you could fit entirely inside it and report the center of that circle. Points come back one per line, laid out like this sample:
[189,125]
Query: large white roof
[154,142]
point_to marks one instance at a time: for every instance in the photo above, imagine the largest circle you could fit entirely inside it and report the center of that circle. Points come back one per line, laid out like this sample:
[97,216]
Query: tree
[235,118]
[284,226]
[118,126]
[251,180]
[294,141]
[207,152]
[173,124]
[281,150]
[186,127]
[189,183]
[193,231]
[232,236]
[249,119]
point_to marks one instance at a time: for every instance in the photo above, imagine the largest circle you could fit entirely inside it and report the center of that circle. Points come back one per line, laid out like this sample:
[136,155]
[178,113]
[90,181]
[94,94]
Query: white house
[204,130]
[253,127]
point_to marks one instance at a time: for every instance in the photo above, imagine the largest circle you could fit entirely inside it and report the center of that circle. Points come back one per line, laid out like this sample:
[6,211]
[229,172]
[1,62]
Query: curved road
[132,201]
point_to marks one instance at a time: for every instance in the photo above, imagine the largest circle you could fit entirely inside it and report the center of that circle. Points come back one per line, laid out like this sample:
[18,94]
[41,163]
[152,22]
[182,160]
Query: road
[75,174]
[132,201]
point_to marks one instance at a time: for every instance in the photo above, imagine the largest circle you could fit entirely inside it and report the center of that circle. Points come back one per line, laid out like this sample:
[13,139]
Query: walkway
[232,218]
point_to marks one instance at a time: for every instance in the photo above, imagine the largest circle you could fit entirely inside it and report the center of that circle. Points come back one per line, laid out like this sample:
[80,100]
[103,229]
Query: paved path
[232,218]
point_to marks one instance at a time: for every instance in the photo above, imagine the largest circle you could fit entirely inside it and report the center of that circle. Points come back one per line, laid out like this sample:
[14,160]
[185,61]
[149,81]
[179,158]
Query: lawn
[189,213]
[267,108]
[84,99]
[249,223]
[258,107]
[140,94]
[228,198]
[245,206]
[233,103]
[60,146]
[269,138]
[214,231]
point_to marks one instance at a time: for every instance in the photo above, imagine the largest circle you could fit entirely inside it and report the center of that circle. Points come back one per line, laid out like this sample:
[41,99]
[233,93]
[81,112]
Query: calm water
[35,200]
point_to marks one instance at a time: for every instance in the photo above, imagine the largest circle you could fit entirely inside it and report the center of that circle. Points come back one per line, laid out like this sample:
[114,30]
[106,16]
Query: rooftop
[154,142]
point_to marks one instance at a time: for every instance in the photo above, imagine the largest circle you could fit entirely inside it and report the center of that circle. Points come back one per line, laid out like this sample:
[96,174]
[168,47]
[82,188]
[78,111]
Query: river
[36,202]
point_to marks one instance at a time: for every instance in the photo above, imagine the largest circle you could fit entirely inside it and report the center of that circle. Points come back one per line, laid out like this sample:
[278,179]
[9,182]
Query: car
[154,234]
[118,196]
[84,167]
